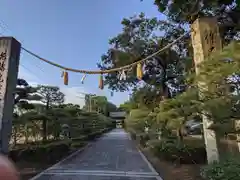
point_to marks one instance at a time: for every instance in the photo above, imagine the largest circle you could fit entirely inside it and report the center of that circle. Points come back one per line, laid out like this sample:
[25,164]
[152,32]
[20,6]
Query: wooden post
[205,40]
[9,62]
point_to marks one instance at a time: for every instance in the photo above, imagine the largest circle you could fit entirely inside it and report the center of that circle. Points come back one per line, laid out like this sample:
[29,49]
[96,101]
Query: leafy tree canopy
[51,95]
[142,36]
[185,12]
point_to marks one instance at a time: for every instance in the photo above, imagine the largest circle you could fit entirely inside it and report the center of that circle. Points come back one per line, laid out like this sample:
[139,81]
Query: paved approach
[112,157]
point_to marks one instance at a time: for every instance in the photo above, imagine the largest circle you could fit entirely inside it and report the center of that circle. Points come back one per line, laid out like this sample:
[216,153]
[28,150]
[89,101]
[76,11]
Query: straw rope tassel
[139,71]
[101,86]
[65,78]
[83,78]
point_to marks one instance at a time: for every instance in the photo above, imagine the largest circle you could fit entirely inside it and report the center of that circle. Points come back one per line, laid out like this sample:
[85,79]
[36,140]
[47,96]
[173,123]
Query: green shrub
[56,151]
[228,169]
[133,135]
[42,153]
[81,138]
[78,144]
[53,151]
[137,119]
[21,146]
[87,130]
[176,151]
[107,129]
[144,138]
[92,135]
[232,137]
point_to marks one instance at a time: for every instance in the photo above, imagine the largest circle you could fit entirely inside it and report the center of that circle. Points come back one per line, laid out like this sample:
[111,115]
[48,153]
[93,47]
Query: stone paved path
[112,157]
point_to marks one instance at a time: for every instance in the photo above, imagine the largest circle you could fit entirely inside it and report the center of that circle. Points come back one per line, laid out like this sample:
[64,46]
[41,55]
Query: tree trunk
[166,92]
[164,132]
[14,136]
[180,134]
[237,127]
[181,129]
[26,134]
[44,124]
[237,122]
[57,135]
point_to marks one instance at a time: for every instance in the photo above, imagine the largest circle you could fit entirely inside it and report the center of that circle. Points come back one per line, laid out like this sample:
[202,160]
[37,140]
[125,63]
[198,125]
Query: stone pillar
[9,62]
[205,40]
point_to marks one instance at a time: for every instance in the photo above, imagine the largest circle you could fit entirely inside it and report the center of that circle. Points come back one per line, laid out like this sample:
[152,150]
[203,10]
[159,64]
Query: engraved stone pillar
[9,62]
[205,40]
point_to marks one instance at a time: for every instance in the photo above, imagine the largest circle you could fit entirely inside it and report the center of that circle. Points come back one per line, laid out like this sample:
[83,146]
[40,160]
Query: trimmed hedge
[188,151]
[52,152]
[77,144]
[42,153]
[132,134]
[19,146]
[180,152]
[227,169]
[143,139]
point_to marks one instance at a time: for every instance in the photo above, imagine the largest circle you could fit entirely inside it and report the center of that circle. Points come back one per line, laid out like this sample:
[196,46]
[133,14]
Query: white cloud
[73,95]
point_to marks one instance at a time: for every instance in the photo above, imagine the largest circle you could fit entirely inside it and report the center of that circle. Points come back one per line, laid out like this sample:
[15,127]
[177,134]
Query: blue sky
[72,33]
